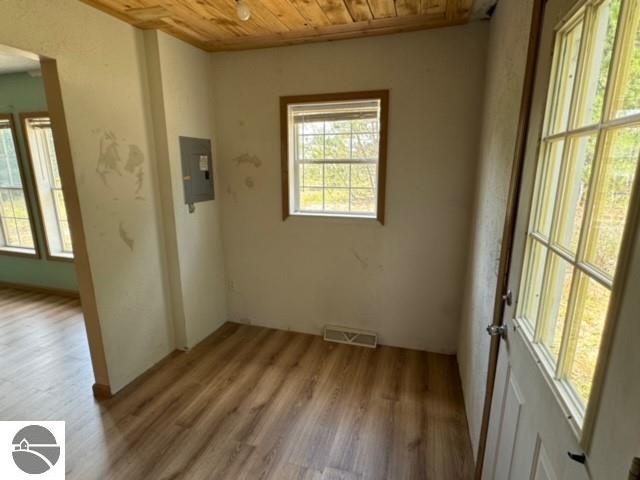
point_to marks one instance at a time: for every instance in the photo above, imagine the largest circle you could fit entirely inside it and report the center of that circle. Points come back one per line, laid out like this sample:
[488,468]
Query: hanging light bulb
[243,11]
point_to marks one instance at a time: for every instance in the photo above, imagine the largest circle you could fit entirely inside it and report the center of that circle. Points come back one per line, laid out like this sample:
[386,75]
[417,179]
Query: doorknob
[508,298]
[497,330]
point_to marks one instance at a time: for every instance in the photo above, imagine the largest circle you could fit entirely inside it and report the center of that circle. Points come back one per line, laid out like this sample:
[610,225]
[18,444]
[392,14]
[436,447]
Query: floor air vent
[350,336]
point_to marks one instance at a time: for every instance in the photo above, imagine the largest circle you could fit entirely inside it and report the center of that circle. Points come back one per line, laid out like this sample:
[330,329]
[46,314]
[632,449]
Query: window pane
[67,246]
[626,96]
[336,175]
[363,176]
[6,207]
[612,195]
[24,233]
[312,127]
[12,239]
[556,300]
[336,200]
[566,64]
[365,126]
[311,199]
[313,147]
[340,126]
[311,175]
[548,185]
[337,147]
[56,182]
[597,62]
[592,304]
[579,165]
[532,281]
[9,169]
[363,200]
[365,146]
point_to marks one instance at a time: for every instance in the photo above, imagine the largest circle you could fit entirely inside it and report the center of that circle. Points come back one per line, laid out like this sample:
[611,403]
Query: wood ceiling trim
[338,32]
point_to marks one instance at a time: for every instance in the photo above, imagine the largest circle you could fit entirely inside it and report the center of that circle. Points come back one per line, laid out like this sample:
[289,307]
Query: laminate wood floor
[247,403]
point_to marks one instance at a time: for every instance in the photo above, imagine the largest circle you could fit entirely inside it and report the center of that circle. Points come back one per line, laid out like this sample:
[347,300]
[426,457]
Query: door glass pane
[546,193]
[596,69]
[567,63]
[556,300]
[611,197]
[626,96]
[592,304]
[532,281]
[579,164]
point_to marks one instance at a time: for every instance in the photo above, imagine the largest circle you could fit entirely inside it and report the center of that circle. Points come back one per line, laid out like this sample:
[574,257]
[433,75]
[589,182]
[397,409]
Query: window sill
[60,257]
[19,252]
[561,390]
[336,216]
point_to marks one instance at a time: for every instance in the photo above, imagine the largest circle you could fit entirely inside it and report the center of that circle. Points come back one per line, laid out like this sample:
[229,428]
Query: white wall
[102,71]
[404,279]
[181,98]
[506,57]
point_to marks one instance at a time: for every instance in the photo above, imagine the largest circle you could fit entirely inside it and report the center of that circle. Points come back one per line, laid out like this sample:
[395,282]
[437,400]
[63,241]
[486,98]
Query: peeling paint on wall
[126,238]
[109,157]
[247,159]
[110,161]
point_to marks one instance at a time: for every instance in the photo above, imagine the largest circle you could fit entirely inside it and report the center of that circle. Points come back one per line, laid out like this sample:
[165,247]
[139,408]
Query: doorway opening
[49,329]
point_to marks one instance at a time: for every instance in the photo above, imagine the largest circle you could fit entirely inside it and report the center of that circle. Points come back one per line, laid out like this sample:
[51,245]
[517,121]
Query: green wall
[20,92]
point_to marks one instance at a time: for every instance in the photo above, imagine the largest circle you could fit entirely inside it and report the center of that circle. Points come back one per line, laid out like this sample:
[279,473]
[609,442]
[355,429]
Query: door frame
[53,93]
[515,183]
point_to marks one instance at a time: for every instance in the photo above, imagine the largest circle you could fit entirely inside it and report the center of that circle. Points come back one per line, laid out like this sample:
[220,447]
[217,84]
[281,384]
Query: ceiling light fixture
[244,13]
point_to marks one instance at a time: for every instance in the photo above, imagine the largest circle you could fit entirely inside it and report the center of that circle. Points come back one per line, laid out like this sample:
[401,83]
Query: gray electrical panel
[197,169]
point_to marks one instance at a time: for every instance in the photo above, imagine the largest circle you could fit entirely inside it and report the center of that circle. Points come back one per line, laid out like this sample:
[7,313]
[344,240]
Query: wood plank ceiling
[214,25]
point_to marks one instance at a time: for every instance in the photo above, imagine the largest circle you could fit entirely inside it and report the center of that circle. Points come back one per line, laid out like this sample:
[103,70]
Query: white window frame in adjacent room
[17,185]
[55,225]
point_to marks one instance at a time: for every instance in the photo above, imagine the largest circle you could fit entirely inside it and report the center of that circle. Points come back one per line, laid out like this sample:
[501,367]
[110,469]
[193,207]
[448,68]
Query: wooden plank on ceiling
[148,14]
[263,16]
[220,14]
[339,32]
[382,8]
[336,11]
[407,7]
[285,12]
[214,24]
[359,10]
[435,6]
[312,12]
[458,8]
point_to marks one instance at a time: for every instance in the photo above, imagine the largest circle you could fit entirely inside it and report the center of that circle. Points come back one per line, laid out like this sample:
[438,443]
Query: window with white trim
[39,136]
[587,168]
[333,155]
[16,234]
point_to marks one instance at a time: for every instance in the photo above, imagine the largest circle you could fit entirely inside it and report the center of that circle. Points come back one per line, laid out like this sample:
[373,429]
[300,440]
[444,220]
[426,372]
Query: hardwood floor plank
[247,403]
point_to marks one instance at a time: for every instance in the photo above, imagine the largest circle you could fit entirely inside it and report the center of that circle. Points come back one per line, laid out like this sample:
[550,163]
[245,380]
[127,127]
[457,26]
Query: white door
[580,169]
